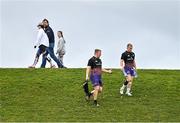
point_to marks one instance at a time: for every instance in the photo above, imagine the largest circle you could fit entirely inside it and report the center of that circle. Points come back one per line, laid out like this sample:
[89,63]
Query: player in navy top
[94,71]
[128,66]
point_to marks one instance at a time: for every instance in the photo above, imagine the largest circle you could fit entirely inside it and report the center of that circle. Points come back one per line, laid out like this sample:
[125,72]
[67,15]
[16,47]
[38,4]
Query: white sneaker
[128,93]
[121,91]
[32,66]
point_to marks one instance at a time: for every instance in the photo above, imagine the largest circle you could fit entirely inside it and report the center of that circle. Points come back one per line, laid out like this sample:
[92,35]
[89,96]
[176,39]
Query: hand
[34,46]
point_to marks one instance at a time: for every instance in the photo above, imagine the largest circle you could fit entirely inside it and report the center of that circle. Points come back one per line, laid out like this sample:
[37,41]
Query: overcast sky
[153,26]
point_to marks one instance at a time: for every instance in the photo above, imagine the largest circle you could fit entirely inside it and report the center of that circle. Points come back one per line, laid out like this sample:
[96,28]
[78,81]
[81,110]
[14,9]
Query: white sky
[153,26]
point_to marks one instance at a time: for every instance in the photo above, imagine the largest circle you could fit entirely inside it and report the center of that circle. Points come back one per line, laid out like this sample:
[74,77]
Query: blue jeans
[50,51]
[38,53]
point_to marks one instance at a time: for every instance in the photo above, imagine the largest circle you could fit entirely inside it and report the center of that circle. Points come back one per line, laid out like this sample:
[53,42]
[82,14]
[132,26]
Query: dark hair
[61,33]
[46,20]
[41,25]
[129,45]
[96,50]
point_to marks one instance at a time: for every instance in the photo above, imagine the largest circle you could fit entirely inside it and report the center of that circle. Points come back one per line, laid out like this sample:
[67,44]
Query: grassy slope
[56,95]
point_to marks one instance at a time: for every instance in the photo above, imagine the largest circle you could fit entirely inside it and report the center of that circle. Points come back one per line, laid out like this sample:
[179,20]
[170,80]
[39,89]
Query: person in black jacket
[50,49]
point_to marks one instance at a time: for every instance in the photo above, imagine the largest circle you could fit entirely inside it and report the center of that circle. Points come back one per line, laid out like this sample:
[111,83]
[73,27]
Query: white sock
[128,90]
[123,86]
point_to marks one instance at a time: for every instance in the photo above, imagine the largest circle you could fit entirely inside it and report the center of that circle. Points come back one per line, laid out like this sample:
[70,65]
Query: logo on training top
[98,63]
[130,57]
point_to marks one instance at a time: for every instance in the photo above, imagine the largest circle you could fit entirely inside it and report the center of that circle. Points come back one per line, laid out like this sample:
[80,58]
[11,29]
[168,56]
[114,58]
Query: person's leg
[44,58]
[58,56]
[44,53]
[61,59]
[97,84]
[100,89]
[36,59]
[129,78]
[95,79]
[50,62]
[130,83]
[51,53]
[95,94]
[100,86]
[125,72]
[123,86]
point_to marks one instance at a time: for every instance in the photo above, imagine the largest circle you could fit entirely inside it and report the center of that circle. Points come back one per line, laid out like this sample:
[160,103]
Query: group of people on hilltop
[45,43]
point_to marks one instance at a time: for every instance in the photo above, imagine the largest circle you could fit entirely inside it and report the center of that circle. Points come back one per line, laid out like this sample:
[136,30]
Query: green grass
[57,95]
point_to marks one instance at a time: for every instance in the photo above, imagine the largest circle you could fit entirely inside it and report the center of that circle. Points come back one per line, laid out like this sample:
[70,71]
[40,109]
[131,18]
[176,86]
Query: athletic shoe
[129,94]
[64,67]
[96,104]
[31,66]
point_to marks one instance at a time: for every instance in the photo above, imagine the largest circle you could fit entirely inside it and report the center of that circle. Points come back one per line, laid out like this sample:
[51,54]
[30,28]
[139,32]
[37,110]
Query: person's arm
[106,71]
[121,64]
[88,72]
[134,64]
[48,32]
[38,39]
[58,45]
